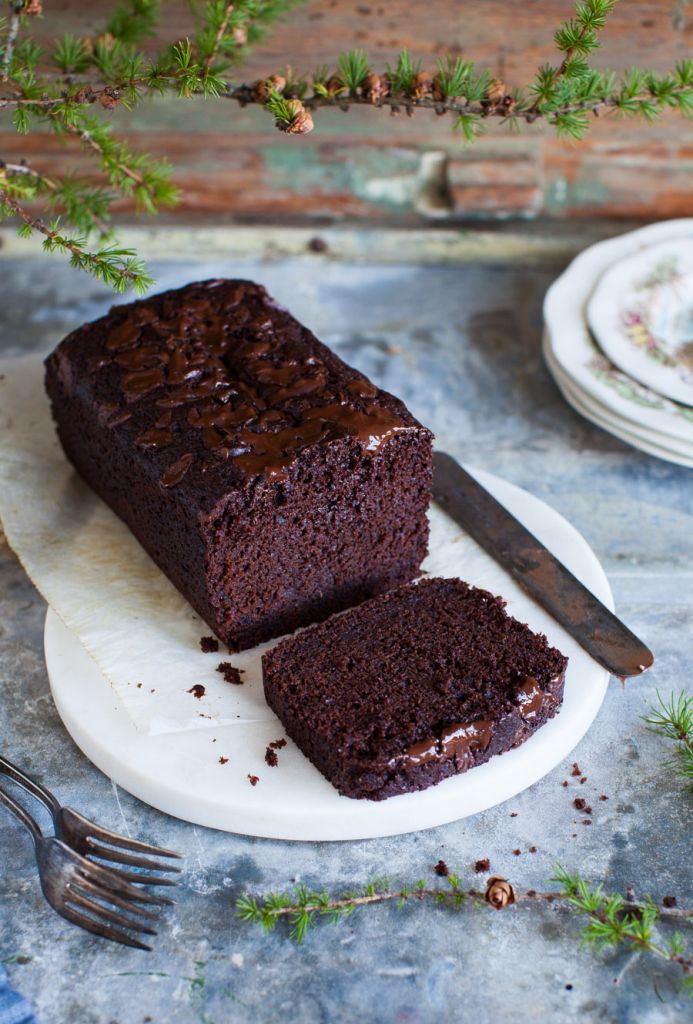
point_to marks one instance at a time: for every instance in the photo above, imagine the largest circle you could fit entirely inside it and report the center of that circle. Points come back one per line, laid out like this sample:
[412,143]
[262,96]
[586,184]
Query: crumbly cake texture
[412,687]
[271,482]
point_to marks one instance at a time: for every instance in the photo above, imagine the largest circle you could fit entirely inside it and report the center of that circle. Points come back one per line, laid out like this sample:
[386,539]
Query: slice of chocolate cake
[271,482]
[413,687]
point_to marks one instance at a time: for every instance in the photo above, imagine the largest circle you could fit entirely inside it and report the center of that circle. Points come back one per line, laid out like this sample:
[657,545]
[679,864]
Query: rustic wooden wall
[363,165]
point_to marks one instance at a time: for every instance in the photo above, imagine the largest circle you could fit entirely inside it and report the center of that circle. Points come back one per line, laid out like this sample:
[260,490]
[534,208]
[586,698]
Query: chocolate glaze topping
[218,365]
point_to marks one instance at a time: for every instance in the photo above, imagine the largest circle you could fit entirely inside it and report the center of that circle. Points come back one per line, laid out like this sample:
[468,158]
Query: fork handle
[22,815]
[29,784]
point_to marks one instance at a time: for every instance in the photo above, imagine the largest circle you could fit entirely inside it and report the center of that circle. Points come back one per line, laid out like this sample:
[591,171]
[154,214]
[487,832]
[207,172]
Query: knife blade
[537,571]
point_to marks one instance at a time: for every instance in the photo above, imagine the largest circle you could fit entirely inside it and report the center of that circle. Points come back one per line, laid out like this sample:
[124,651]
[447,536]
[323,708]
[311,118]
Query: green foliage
[452,76]
[134,20]
[280,110]
[303,907]
[353,68]
[612,923]
[672,718]
[470,126]
[401,77]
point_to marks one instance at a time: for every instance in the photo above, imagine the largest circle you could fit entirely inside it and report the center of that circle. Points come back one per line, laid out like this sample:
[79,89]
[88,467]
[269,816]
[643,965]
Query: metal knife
[536,570]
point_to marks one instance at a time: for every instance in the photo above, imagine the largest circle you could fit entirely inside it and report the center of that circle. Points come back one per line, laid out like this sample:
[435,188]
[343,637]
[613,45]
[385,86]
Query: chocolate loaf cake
[412,687]
[272,483]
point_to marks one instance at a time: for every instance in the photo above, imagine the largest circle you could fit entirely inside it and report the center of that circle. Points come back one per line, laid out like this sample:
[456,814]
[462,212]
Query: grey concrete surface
[461,346]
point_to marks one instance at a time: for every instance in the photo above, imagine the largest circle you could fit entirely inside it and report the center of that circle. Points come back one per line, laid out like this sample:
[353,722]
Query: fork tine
[98,928]
[120,857]
[86,888]
[111,916]
[105,836]
[138,879]
[112,880]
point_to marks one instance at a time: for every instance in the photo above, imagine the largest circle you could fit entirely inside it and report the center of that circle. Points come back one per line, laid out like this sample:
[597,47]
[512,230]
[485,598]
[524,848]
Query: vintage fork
[81,891]
[87,838]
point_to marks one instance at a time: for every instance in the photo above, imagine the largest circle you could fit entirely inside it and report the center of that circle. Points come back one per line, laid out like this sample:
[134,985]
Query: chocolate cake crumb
[669,901]
[603,797]
[271,757]
[278,744]
[230,673]
[139,686]
[516,853]
[209,644]
[587,821]
[569,988]
[513,814]
[253,780]
[583,780]
[576,770]
[197,690]
[532,849]
[579,804]
[317,244]
[223,760]
[482,865]
[565,782]
[441,869]
[573,835]
[531,893]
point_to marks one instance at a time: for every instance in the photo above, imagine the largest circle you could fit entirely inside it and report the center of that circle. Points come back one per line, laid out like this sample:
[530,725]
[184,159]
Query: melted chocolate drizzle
[224,367]
[530,698]
[458,740]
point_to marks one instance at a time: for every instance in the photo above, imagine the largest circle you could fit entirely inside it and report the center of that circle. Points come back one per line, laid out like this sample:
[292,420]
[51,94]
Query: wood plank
[365,163]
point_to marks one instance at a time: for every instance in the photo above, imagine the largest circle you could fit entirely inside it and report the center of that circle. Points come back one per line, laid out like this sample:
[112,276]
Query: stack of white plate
[618,337]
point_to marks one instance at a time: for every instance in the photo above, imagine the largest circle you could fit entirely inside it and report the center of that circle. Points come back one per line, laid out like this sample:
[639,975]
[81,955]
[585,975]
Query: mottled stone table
[461,345]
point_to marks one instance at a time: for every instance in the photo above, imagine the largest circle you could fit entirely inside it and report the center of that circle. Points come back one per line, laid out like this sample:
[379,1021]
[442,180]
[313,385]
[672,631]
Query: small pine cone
[508,104]
[240,35]
[263,88]
[499,893]
[82,95]
[375,87]
[436,90]
[301,121]
[496,90]
[421,86]
[108,99]
[33,7]
[335,86]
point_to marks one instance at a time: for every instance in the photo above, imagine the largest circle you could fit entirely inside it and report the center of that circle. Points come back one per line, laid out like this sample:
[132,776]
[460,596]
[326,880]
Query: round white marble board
[181,773]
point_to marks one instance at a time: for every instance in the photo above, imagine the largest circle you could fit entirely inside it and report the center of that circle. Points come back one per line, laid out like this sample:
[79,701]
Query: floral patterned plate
[641,314]
[651,442]
[629,402]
